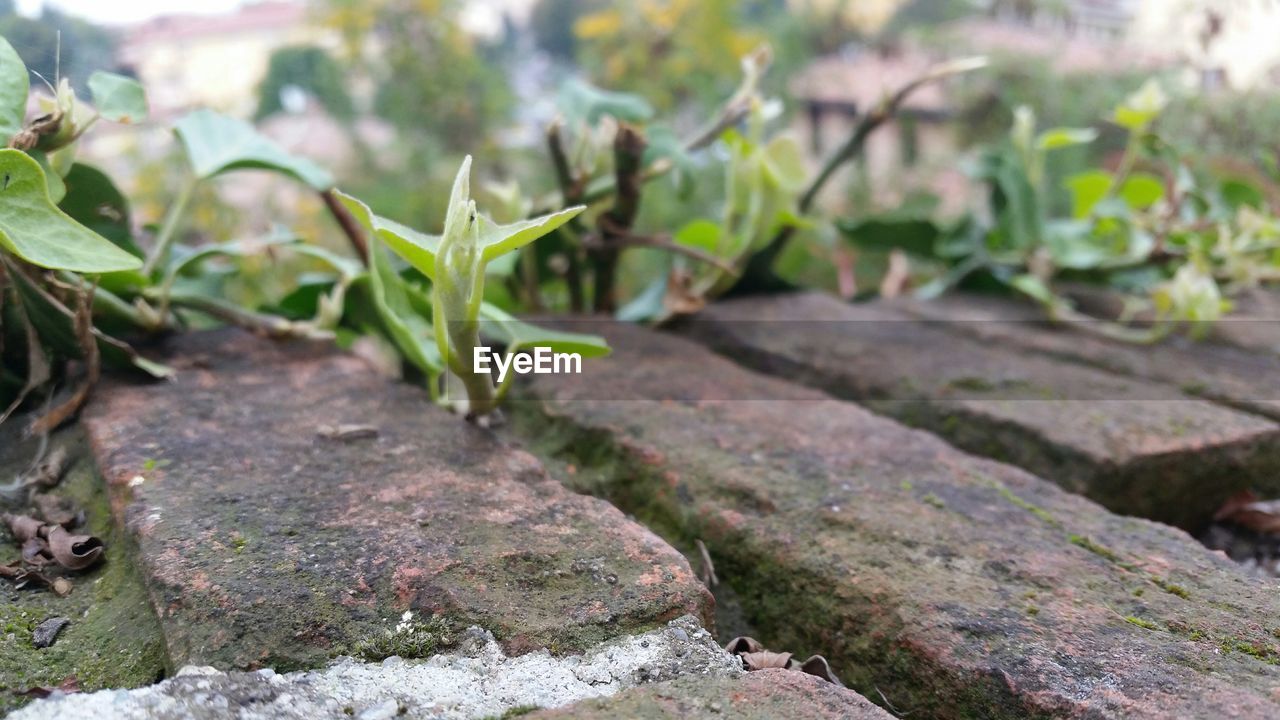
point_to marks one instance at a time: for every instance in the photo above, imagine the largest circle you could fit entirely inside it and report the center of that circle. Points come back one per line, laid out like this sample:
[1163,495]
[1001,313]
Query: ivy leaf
[118,98]
[14,86]
[34,229]
[1142,190]
[57,188]
[410,331]
[498,240]
[517,335]
[1087,190]
[582,101]
[915,236]
[1065,137]
[418,249]
[216,144]
[94,201]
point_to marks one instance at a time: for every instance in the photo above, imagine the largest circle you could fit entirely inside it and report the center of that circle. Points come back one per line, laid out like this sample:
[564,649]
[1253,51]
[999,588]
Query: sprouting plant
[455,262]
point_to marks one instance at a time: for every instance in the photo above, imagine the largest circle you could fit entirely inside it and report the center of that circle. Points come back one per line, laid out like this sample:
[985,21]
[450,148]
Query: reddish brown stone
[762,695]
[1244,379]
[1138,447]
[265,543]
[957,586]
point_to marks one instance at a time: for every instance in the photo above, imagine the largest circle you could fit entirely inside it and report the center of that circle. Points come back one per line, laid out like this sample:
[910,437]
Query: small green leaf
[497,240]
[582,101]
[418,249]
[94,201]
[1240,193]
[14,86]
[1087,190]
[702,234]
[118,98]
[1033,287]
[34,229]
[1142,190]
[216,144]
[784,161]
[1141,108]
[915,236]
[518,335]
[1065,137]
[410,332]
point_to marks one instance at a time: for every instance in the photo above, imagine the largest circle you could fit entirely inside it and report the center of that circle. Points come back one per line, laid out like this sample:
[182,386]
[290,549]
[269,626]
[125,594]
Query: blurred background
[390,93]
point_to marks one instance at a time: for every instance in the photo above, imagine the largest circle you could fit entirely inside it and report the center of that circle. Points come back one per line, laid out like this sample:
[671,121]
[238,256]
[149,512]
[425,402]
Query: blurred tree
[552,24]
[923,13]
[668,51]
[432,76]
[84,47]
[308,68]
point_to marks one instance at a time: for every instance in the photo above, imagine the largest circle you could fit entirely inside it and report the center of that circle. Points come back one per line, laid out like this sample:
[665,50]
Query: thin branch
[350,227]
[759,268]
[628,161]
[665,242]
[570,194]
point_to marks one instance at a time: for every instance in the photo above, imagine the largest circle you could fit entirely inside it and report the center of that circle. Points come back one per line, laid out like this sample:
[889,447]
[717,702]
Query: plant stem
[169,230]
[615,225]
[350,227]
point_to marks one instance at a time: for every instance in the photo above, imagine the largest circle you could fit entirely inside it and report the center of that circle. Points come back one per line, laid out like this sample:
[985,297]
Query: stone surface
[476,681]
[1137,447]
[955,585]
[1253,323]
[1243,379]
[761,695]
[266,542]
[113,639]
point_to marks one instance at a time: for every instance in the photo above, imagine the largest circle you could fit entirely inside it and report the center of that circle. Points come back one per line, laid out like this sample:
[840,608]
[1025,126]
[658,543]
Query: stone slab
[760,695]
[1247,380]
[955,585]
[266,543]
[1138,447]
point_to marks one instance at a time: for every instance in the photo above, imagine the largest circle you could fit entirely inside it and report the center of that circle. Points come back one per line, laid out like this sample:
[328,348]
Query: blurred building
[1223,43]
[216,61]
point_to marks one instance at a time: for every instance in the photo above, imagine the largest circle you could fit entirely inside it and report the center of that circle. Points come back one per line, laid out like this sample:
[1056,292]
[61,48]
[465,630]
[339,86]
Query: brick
[956,585]
[1243,379]
[1138,447]
[761,695]
[1253,323]
[262,543]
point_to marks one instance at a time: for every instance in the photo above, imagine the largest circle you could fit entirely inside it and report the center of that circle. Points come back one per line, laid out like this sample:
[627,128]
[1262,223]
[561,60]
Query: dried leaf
[818,667]
[68,685]
[74,552]
[23,527]
[347,432]
[742,645]
[1244,509]
[35,551]
[57,510]
[766,659]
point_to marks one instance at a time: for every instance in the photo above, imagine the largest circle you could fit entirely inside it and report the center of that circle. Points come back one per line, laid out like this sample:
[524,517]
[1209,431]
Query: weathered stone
[1243,379]
[762,695]
[1253,323]
[265,543]
[477,681]
[1138,447]
[113,639]
[957,586]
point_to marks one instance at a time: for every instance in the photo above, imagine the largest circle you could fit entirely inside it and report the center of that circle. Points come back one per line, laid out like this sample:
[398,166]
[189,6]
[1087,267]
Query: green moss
[934,500]
[1171,588]
[1036,510]
[1147,624]
[1033,610]
[515,712]
[113,639]
[410,638]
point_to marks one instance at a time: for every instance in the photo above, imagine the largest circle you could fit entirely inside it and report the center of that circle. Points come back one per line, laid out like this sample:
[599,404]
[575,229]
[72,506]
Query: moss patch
[114,639]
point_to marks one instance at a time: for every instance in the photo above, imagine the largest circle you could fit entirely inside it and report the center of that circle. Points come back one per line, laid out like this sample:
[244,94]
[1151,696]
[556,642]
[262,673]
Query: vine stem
[169,230]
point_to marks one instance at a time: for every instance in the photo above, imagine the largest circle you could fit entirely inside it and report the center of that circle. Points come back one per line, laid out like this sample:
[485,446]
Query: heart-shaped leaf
[14,86]
[216,144]
[34,229]
[582,101]
[118,98]
[418,249]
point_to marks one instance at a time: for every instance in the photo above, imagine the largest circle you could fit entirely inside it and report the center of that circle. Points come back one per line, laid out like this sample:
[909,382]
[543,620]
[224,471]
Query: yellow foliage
[602,24]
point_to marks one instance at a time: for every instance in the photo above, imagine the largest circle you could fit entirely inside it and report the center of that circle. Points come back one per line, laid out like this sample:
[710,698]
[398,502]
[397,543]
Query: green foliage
[34,229]
[551,23]
[82,49]
[118,98]
[311,69]
[14,85]
[216,144]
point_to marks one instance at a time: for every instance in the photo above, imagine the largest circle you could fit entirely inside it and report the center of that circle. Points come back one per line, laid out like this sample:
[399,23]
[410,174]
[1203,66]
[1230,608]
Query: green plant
[1173,239]
[455,263]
